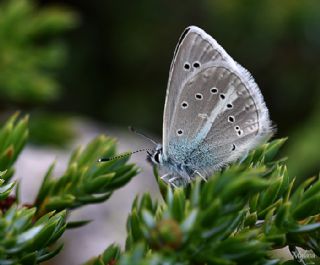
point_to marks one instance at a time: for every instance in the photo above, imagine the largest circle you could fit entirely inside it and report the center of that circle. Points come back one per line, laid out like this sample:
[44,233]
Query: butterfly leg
[201,176]
[172,181]
[166,178]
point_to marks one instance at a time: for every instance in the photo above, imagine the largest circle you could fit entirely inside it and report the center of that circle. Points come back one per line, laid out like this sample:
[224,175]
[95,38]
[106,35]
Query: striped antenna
[106,159]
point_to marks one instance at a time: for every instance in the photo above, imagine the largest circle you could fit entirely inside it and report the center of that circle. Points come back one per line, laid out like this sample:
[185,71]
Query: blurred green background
[109,61]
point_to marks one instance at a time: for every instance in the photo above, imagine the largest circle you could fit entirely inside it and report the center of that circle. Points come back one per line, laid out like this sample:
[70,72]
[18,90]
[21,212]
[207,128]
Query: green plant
[30,50]
[28,232]
[238,217]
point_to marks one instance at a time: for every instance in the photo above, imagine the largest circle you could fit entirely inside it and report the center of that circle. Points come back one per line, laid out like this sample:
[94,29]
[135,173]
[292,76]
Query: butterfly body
[214,111]
[180,170]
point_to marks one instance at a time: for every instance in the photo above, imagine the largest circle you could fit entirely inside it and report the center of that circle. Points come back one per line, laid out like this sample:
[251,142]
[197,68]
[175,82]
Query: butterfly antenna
[142,134]
[106,159]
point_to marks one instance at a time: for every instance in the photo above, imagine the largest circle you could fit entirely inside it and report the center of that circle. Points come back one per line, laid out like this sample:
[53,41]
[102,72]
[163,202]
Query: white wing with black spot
[195,47]
[214,111]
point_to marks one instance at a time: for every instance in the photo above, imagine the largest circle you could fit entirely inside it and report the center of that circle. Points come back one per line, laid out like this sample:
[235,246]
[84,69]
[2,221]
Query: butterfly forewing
[195,48]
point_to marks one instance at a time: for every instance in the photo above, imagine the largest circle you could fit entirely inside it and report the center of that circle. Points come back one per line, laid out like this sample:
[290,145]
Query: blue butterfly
[214,112]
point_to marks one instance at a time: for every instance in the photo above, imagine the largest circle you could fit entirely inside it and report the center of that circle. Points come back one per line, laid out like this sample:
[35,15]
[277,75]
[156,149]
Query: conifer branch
[238,217]
[28,232]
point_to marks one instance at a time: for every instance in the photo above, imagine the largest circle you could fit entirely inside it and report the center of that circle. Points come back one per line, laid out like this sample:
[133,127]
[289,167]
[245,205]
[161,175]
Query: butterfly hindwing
[216,119]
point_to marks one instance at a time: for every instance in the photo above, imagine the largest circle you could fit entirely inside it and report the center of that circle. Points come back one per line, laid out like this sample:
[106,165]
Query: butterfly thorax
[172,168]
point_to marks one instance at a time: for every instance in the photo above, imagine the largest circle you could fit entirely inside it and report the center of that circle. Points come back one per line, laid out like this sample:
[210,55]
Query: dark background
[121,53]
[118,59]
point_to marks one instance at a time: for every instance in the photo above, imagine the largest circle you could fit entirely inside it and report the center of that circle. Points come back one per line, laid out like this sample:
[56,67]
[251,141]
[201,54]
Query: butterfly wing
[216,113]
[194,46]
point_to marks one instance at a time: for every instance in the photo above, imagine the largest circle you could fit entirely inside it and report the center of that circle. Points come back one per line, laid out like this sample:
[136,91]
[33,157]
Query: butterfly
[214,112]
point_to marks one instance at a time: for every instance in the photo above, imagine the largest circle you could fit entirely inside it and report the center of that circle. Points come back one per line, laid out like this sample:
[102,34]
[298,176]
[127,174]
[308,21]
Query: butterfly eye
[199,96]
[240,132]
[237,128]
[229,106]
[186,66]
[157,158]
[196,64]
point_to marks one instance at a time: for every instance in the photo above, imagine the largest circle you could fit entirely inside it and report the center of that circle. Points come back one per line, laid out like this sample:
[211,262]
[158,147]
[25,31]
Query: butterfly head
[156,157]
